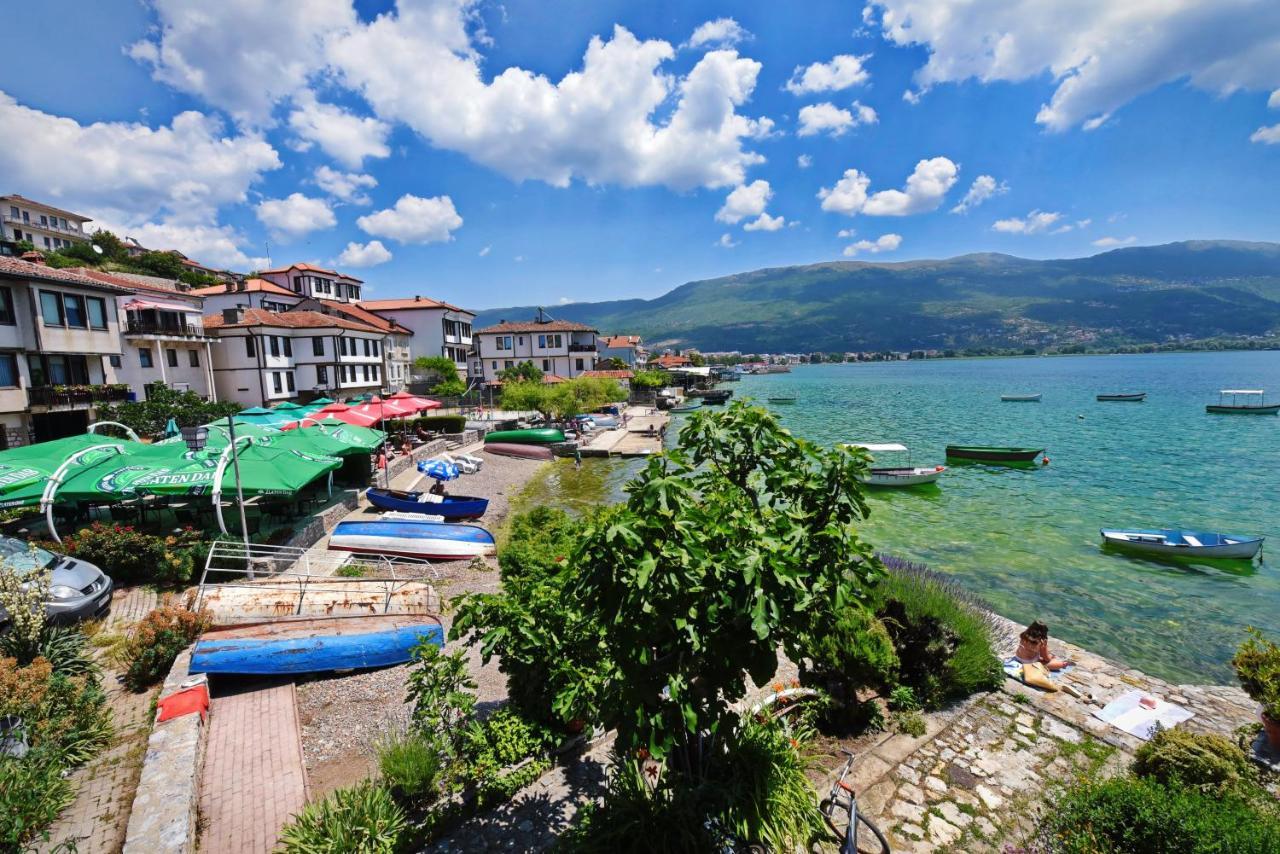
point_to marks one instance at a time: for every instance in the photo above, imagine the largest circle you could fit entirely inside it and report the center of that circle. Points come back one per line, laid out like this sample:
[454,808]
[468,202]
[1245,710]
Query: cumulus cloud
[804,161]
[295,215]
[1035,222]
[414,219]
[344,136]
[345,186]
[219,246]
[485,251]
[846,232]
[369,255]
[726,241]
[764,222]
[746,201]
[828,118]
[1100,54]
[983,187]
[1268,135]
[1108,242]
[840,73]
[883,243]
[722,32]
[924,191]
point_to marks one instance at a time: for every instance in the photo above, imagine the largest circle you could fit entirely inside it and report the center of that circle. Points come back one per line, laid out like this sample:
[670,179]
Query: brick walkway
[253,778]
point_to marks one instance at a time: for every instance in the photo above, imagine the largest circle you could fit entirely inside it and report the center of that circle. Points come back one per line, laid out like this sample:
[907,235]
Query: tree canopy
[149,417]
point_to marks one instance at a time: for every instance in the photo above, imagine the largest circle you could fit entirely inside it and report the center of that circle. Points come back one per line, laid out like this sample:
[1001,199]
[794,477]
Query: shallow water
[1026,539]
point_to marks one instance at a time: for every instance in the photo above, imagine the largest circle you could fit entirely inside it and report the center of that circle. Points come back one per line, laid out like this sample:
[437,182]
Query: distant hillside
[1152,294]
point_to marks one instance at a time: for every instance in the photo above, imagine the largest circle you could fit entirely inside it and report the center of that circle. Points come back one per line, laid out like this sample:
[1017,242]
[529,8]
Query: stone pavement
[253,778]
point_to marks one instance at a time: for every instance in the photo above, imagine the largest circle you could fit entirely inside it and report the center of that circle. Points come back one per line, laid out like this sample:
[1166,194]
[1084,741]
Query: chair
[124,513]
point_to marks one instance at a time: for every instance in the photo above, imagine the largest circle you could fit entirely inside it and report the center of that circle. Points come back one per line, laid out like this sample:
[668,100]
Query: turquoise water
[1026,539]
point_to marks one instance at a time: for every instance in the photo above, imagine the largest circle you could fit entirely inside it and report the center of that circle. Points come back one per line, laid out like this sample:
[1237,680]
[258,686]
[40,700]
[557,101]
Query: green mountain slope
[1178,291]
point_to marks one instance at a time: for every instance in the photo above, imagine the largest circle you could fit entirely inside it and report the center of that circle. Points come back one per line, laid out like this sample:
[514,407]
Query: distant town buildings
[43,226]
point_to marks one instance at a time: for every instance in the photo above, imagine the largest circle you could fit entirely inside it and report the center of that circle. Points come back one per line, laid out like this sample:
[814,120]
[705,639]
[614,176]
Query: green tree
[613,363]
[650,379]
[165,264]
[112,248]
[525,371]
[446,381]
[696,359]
[149,417]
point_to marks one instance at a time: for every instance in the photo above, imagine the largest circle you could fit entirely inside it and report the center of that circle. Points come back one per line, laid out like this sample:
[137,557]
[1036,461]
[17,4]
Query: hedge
[440,423]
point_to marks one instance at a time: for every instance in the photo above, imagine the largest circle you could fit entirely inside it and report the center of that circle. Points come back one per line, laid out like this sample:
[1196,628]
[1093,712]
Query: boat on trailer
[1135,397]
[1021,398]
[411,538]
[314,644]
[1235,407]
[991,453]
[448,506]
[1177,543]
[521,451]
[900,476]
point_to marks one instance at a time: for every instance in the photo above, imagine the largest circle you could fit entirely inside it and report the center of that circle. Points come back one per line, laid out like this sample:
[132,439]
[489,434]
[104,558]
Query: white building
[438,328]
[628,348]
[559,348]
[307,280]
[46,227]
[265,357]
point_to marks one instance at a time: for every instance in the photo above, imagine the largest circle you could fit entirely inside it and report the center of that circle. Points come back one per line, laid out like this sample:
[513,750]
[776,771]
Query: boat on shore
[431,540]
[1021,398]
[518,450]
[991,453]
[448,506]
[1176,543]
[899,476]
[314,644]
[529,436]
[1135,397]
[1235,407]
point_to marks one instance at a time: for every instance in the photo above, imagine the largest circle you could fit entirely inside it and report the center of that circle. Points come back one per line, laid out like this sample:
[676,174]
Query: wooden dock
[641,437]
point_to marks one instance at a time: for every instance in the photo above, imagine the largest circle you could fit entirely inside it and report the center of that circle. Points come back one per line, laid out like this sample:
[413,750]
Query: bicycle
[842,800]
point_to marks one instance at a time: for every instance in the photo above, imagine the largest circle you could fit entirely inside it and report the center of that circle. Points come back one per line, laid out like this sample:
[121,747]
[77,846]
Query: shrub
[33,793]
[410,765]
[441,694]
[903,699]
[856,653]
[440,423]
[64,647]
[942,637]
[1257,666]
[130,556]
[1213,763]
[156,642]
[1143,814]
[910,723]
[493,745]
[361,819]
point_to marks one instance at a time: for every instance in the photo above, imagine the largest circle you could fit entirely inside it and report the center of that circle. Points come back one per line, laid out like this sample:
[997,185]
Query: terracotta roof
[672,361]
[19,269]
[286,320]
[48,207]
[129,282]
[408,303]
[535,326]
[312,268]
[248,286]
[620,341]
[363,315]
[608,375]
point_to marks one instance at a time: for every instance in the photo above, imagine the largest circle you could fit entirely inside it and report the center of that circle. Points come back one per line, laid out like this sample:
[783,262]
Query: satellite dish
[96,248]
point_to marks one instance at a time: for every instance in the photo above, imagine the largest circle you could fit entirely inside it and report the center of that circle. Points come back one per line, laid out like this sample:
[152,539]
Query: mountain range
[1186,291]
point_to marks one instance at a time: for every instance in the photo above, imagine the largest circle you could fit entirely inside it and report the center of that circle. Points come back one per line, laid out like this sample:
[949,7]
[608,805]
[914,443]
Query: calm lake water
[1026,540]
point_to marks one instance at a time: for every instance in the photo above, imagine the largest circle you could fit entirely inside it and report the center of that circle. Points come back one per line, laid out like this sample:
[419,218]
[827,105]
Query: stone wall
[401,464]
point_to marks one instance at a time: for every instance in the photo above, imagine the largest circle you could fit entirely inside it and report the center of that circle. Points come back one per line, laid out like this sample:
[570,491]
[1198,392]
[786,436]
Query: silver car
[78,590]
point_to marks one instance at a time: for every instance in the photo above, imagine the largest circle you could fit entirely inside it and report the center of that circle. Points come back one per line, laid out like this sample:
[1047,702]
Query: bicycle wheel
[870,839]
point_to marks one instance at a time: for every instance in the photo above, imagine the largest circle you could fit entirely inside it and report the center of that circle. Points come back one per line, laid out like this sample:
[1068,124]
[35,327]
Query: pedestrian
[577,457]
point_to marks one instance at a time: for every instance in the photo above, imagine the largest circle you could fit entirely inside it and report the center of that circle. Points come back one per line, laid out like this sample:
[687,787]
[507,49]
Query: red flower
[643,753]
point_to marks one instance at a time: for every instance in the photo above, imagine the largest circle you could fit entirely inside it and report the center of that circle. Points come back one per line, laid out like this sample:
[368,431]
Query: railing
[74,395]
[582,348]
[150,327]
[17,220]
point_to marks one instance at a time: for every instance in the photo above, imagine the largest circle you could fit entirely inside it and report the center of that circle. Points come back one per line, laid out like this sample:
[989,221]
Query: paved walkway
[253,778]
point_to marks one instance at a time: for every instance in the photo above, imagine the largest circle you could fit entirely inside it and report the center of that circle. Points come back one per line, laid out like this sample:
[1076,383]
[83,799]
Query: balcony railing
[181,329]
[76,395]
[35,223]
[582,348]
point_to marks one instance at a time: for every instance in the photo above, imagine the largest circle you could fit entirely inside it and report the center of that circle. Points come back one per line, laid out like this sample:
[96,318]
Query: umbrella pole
[55,481]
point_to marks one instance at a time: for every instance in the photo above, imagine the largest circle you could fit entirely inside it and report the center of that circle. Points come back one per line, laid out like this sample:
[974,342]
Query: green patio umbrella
[314,441]
[34,464]
[321,401]
[358,439]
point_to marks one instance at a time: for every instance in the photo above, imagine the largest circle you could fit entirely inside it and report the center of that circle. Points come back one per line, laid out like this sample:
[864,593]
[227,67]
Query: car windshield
[24,557]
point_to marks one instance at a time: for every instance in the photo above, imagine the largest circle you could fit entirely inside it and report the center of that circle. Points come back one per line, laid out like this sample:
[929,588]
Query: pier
[639,436]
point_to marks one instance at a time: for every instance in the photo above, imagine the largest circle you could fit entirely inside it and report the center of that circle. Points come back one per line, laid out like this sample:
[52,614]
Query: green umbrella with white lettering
[24,470]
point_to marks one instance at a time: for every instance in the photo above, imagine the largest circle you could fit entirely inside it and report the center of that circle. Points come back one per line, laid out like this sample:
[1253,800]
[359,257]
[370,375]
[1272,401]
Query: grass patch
[352,570]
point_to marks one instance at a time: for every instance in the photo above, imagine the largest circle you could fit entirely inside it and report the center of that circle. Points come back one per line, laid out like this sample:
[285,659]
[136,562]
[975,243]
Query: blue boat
[451,507]
[314,644]
[432,540]
[1201,544]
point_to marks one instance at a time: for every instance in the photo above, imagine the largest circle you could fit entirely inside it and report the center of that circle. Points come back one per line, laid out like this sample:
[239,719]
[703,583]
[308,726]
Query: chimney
[34,257]
[232,316]
[417,298]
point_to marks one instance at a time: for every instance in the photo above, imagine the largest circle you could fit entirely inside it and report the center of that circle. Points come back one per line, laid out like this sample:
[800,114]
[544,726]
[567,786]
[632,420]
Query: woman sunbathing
[1033,646]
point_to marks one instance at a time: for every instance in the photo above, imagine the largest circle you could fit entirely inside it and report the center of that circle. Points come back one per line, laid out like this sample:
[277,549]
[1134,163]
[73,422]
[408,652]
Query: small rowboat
[532,436]
[688,406]
[1021,398]
[1184,543]
[1237,408]
[717,396]
[993,454]
[431,540]
[448,506]
[1136,397]
[524,452]
[314,644]
[781,399]
[899,476]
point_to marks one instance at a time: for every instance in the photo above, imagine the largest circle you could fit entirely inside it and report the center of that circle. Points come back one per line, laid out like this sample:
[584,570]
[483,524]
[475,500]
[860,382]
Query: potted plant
[1257,666]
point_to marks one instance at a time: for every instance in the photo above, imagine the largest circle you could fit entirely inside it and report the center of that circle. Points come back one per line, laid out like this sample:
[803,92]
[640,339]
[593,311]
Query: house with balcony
[627,348]
[308,280]
[438,328]
[397,356]
[562,348]
[47,228]
[247,293]
[266,357]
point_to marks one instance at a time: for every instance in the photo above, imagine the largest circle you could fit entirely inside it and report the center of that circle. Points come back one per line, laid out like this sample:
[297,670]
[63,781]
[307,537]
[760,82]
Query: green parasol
[358,439]
[34,464]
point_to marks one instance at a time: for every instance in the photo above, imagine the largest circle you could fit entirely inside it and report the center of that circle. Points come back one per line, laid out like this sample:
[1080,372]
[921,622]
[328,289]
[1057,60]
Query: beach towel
[1033,674]
[1125,713]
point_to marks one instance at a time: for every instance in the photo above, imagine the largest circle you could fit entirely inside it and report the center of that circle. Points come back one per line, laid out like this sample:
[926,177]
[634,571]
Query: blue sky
[438,147]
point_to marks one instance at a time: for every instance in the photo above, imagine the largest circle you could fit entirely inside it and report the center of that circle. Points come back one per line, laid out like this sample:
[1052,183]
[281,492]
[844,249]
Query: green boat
[993,454]
[533,436]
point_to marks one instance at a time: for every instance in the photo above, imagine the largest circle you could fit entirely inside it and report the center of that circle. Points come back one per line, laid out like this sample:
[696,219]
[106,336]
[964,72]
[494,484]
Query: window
[97,313]
[6,307]
[377,348]
[495,365]
[26,217]
[342,346]
[317,346]
[274,344]
[13,211]
[578,363]
[193,358]
[63,222]
[297,284]
[553,341]
[366,373]
[144,357]
[289,379]
[276,382]
[250,348]
[508,363]
[47,243]
[504,342]
[376,371]
[171,356]
[367,350]
[44,220]
[8,370]
[288,347]
[114,360]
[322,375]
[73,305]
[57,243]
[51,308]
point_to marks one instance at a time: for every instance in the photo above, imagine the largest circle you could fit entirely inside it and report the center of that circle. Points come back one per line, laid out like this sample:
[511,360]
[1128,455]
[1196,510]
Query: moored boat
[691,405]
[431,540]
[1184,543]
[898,476]
[1021,398]
[783,400]
[717,396]
[514,449]
[1235,407]
[1135,397]
[530,436]
[448,506]
[993,453]
[314,644]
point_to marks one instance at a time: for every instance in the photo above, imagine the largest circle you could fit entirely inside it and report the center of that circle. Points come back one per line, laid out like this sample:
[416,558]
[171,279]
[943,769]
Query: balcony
[76,395]
[582,348]
[173,329]
[69,231]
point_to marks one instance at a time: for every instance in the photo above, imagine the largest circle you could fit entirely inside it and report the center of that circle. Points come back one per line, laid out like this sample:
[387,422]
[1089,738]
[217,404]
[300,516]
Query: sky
[551,151]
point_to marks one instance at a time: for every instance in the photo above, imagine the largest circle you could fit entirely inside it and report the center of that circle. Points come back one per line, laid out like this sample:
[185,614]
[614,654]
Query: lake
[1026,539]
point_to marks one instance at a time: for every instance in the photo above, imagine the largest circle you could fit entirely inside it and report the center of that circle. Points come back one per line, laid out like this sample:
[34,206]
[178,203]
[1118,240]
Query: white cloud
[827,117]
[1107,242]
[804,161]
[345,186]
[1035,222]
[564,300]
[369,255]
[242,56]
[342,135]
[983,187]
[1274,100]
[726,241]
[485,251]
[1267,135]
[295,215]
[883,243]
[764,222]
[722,32]
[1099,53]
[846,232]
[746,201]
[219,246]
[926,187]
[840,73]
[414,220]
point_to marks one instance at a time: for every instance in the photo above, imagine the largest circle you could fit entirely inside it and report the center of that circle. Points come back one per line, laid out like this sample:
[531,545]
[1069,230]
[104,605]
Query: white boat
[1184,543]
[1021,398]
[907,475]
[412,538]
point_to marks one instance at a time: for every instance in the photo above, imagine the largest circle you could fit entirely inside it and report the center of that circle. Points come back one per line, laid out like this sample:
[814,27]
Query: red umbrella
[379,409]
[349,414]
[419,403]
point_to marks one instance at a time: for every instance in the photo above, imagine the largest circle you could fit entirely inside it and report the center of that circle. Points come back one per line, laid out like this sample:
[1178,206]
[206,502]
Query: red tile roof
[620,341]
[363,315]
[312,268]
[130,283]
[672,361]
[608,375]
[249,286]
[408,303]
[287,320]
[16,268]
[48,207]
[535,326]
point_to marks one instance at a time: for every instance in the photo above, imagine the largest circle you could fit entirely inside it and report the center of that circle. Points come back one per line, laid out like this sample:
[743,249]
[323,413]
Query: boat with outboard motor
[1021,398]
[1135,397]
